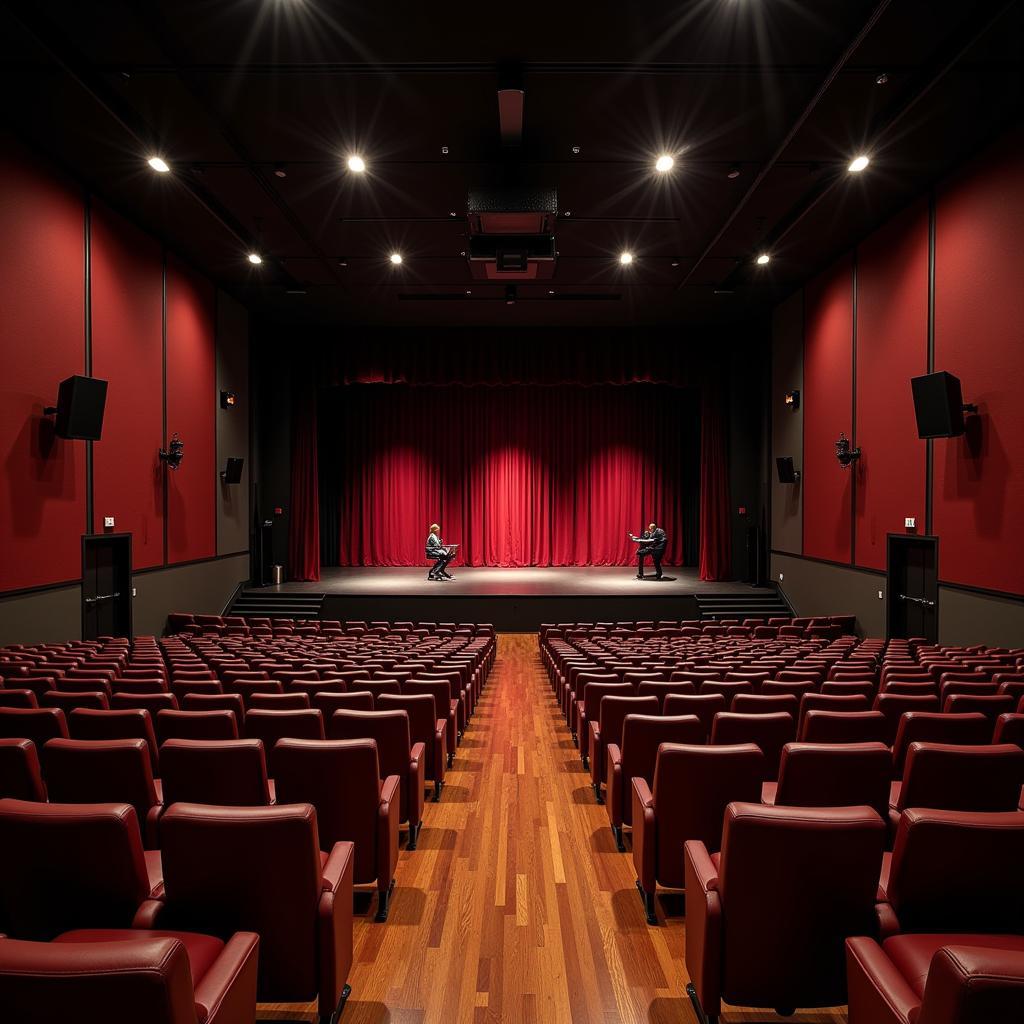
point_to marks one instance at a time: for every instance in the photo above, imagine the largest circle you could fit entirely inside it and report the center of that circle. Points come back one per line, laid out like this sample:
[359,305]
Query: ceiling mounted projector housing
[511,232]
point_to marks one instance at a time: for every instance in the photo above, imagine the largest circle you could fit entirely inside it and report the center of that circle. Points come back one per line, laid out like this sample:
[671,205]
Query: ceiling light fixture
[858,163]
[255,258]
[626,258]
[280,172]
[882,79]
[396,258]
[575,150]
[664,163]
[356,164]
[158,164]
[733,173]
[763,259]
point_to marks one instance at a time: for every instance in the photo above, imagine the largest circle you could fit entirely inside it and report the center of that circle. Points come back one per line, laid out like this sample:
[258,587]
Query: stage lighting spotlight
[158,164]
[396,258]
[356,164]
[626,258]
[175,452]
[255,258]
[857,164]
[763,259]
[664,163]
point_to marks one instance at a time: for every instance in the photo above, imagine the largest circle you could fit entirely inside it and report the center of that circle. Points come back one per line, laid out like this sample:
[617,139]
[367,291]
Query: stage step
[274,604]
[743,605]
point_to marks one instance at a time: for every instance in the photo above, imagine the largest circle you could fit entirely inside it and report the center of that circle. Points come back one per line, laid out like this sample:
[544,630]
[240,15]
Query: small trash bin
[276,575]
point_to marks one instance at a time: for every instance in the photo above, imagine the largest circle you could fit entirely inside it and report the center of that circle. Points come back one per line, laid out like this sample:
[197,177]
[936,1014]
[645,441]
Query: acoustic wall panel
[42,341]
[127,350]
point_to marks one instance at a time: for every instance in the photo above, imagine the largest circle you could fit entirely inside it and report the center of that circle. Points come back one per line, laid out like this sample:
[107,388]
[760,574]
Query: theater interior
[511,514]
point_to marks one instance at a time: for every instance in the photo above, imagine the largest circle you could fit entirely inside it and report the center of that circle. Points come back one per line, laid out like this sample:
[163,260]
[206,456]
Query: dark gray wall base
[965,617]
[53,616]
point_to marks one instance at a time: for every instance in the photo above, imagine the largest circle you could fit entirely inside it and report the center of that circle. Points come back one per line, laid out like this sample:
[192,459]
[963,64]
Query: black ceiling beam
[791,134]
[51,39]
[164,38]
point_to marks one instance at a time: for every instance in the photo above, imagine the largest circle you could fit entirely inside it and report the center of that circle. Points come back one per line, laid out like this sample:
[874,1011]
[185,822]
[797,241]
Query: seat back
[642,735]
[196,725]
[972,983]
[422,713]
[765,704]
[661,690]
[35,724]
[225,772]
[279,702]
[962,778]
[814,874]
[341,779]
[893,705]
[145,979]
[327,702]
[693,784]
[958,871]
[1009,729]
[769,732]
[76,865]
[439,689]
[843,727]
[388,729]
[613,712]
[593,693]
[702,706]
[14,698]
[835,775]
[229,869]
[271,726]
[376,687]
[71,700]
[21,777]
[991,706]
[215,702]
[99,772]
[130,724]
[932,727]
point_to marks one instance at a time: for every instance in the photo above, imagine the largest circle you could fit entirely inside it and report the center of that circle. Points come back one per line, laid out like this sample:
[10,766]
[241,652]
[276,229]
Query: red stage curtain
[304,532]
[519,476]
[715,539]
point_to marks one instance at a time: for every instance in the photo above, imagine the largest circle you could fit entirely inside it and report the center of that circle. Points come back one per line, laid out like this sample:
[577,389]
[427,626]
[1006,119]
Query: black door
[106,585]
[913,587]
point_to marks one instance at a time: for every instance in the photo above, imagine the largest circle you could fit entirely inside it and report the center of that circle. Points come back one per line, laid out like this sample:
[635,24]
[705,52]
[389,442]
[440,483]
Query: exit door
[913,587]
[106,585]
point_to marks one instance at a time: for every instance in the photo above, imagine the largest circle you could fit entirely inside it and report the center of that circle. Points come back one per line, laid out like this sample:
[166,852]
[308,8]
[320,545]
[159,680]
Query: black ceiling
[784,91]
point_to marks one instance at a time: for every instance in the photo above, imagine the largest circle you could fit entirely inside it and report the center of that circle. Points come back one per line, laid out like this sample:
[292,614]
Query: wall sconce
[228,399]
[792,400]
[175,452]
[844,453]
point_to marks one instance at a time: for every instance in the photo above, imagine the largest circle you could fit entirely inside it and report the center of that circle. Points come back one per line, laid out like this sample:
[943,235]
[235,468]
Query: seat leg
[597,792]
[332,1018]
[437,791]
[383,901]
[702,1017]
[414,831]
[451,759]
[617,832]
[647,898]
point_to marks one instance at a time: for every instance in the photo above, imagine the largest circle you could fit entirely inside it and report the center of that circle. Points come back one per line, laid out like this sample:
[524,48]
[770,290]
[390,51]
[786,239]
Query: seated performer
[653,543]
[440,554]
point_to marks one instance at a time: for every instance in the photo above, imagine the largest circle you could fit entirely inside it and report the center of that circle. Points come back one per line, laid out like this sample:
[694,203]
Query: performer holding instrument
[440,554]
[652,543]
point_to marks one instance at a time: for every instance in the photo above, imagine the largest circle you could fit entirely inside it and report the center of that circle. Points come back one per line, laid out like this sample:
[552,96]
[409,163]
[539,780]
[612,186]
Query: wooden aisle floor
[516,906]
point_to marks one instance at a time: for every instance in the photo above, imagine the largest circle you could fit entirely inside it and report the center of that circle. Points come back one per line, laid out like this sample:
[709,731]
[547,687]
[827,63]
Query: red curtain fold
[304,513]
[715,525]
[519,476]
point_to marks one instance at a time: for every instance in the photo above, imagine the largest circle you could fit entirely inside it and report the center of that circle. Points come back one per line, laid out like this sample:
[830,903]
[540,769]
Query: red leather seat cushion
[912,954]
[202,950]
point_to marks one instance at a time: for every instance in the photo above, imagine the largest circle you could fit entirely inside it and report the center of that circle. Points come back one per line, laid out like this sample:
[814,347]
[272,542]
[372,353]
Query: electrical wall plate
[910,522]
[108,522]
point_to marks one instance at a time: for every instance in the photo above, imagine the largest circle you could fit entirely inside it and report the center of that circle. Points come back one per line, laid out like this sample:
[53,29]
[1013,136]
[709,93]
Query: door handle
[102,597]
[923,601]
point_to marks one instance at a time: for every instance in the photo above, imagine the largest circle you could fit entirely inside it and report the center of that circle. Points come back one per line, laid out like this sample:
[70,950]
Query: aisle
[516,906]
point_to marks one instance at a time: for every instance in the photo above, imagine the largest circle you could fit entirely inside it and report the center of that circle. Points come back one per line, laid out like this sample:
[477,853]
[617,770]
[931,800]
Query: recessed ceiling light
[452,213]
[675,263]
[396,258]
[734,172]
[664,163]
[158,164]
[280,172]
[356,164]
[882,79]
[626,258]
[763,259]
[551,291]
[255,258]
[858,163]
[469,291]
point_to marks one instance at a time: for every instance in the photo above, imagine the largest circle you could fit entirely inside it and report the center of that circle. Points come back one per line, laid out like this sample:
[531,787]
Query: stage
[515,600]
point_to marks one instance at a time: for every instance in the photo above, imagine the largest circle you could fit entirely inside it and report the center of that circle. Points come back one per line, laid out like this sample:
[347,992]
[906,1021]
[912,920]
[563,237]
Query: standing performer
[653,543]
[441,555]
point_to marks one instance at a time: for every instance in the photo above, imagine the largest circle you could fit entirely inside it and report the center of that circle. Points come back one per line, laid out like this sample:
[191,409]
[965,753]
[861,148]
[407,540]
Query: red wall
[127,350]
[828,410]
[191,383]
[978,480]
[43,287]
[42,341]
[892,347]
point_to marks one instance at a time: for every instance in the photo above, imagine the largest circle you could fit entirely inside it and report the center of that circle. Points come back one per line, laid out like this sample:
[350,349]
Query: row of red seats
[259,625]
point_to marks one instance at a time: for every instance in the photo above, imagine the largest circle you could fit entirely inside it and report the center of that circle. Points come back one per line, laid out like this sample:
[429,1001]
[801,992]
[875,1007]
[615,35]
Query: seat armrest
[417,780]
[967,983]
[151,826]
[613,779]
[645,835]
[888,922]
[592,740]
[227,991]
[703,926]
[876,990]
[334,926]
[387,831]
[149,914]
[440,749]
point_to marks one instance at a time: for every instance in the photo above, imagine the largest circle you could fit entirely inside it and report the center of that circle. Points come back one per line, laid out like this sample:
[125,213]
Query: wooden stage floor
[516,907]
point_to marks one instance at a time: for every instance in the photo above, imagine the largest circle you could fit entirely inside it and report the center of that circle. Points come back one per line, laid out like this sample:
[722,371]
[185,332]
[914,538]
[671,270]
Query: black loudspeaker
[80,403]
[784,467]
[232,474]
[938,405]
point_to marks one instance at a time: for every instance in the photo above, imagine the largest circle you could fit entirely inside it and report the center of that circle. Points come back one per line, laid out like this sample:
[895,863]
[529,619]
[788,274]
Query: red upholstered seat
[769,732]
[271,726]
[426,727]
[196,725]
[226,772]
[835,775]
[703,706]
[932,727]
[85,724]
[661,690]
[843,727]
[1009,729]
[21,777]
[607,729]
[35,724]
